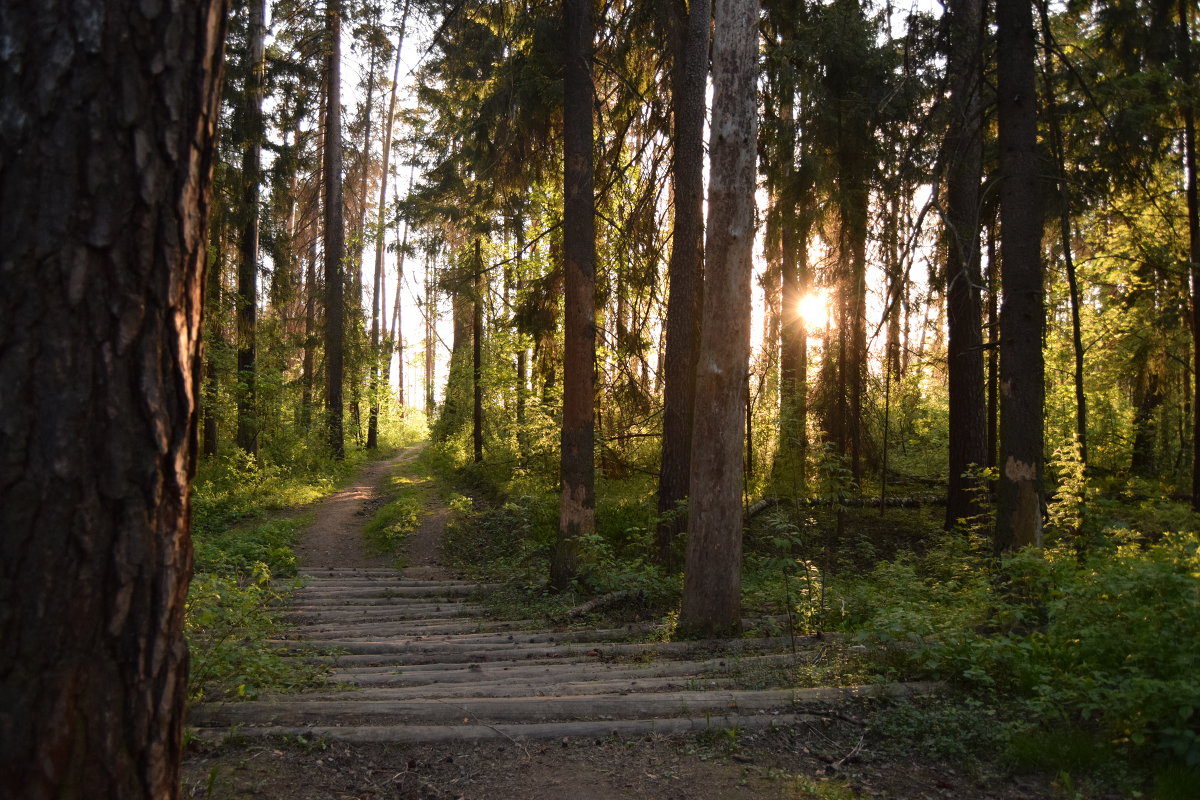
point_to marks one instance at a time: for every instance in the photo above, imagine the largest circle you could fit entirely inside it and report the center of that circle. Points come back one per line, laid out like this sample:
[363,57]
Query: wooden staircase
[418,661]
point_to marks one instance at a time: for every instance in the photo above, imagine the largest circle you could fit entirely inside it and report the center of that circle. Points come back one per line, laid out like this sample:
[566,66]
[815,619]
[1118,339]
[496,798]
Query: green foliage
[1066,510]
[393,522]
[247,549]
[228,622]
[784,578]
[1110,639]
[915,596]
[236,487]
[952,729]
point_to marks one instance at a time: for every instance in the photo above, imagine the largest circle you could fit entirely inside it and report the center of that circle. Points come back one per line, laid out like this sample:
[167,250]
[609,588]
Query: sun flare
[814,310]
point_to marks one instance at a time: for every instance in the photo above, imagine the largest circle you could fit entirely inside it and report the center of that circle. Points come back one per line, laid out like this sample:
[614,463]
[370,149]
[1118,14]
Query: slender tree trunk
[852,333]
[522,366]
[686,269]
[1193,223]
[108,132]
[247,297]
[577,507]
[477,356]
[1147,401]
[1064,218]
[457,403]
[712,578]
[377,286]
[993,364]
[1022,371]
[212,302]
[430,330]
[963,154]
[793,358]
[335,242]
[396,339]
[310,338]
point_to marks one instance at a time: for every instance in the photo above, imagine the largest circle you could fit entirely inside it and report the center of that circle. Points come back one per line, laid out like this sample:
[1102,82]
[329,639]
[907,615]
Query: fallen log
[847,502]
[603,601]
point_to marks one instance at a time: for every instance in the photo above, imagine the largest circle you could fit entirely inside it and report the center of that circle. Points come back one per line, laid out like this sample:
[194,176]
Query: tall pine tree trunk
[1193,224]
[377,284]
[686,268]
[1064,219]
[310,338]
[335,242]
[712,578]
[1022,371]
[577,507]
[209,435]
[247,297]
[107,131]
[477,356]
[963,153]
[793,358]
[430,332]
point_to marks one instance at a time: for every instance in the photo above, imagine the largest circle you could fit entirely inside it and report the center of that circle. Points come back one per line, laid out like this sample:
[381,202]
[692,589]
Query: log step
[416,734]
[533,709]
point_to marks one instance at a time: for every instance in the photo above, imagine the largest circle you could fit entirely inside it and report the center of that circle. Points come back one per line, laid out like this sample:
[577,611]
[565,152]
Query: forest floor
[839,747]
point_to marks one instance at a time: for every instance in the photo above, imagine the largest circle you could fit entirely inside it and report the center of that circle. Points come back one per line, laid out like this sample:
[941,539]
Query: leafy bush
[228,622]
[1109,640]
[393,522]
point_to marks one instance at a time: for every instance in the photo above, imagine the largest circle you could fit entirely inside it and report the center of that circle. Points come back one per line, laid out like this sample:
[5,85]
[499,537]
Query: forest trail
[415,659]
[334,539]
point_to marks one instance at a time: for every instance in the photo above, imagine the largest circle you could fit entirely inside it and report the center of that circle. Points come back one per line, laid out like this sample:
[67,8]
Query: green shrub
[228,622]
[1108,641]
[393,522]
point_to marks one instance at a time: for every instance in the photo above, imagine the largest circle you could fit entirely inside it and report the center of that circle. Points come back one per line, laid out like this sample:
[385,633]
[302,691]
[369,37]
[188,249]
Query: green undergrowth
[244,560]
[231,610]
[407,494]
[1080,658]
[511,541]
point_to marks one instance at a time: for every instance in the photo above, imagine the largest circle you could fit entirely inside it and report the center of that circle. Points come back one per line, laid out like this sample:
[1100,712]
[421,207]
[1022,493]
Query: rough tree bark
[689,45]
[335,234]
[108,125]
[1022,371]
[712,577]
[963,153]
[247,295]
[577,508]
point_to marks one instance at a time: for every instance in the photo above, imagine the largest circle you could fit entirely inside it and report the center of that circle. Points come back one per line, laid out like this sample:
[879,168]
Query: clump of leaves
[228,622]
[393,522]
[1105,641]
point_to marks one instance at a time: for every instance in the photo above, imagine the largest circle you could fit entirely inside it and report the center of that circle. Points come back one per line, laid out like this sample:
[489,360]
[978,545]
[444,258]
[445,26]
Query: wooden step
[299,711]
[416,734]
[550,670]
[510,732]
[526,688]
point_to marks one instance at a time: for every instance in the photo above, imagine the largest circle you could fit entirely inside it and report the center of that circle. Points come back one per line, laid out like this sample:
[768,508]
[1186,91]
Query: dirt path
[334,539]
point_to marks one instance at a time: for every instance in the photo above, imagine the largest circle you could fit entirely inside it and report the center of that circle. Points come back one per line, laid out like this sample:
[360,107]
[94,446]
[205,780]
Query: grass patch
[392,524]
[408,495]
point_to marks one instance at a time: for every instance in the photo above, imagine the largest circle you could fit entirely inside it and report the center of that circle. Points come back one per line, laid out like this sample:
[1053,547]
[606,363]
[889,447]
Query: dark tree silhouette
[105,189]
